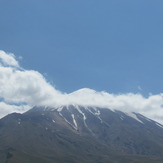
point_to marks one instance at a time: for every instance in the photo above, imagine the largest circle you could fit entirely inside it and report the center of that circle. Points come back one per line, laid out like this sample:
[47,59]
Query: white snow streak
[159,125]
[133,115]
[74,121]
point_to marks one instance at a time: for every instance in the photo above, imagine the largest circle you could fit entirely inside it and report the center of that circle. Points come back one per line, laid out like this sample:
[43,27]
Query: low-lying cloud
[21,89]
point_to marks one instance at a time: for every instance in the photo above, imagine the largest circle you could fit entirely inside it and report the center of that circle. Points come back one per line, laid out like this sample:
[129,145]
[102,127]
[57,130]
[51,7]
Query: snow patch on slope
[134,116]
[74,121]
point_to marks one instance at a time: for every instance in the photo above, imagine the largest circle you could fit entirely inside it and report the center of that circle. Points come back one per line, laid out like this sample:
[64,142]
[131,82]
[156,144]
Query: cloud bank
[21,89]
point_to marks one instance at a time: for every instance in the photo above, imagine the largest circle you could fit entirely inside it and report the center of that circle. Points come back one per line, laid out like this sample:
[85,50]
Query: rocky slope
[79,134]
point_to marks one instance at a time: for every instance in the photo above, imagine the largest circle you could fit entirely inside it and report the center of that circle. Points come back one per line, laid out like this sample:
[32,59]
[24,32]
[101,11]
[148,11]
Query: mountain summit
[76,133]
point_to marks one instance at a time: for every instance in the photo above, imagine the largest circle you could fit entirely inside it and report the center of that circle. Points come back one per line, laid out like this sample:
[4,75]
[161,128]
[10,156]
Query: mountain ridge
[71,133]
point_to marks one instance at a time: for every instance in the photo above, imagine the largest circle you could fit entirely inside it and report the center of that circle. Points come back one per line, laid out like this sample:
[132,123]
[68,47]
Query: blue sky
[110,45]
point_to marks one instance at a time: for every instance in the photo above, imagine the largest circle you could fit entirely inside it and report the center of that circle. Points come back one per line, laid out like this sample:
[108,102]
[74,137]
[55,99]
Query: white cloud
[26,86]
[8,59]
[30,87]
[7,109]
[151,106]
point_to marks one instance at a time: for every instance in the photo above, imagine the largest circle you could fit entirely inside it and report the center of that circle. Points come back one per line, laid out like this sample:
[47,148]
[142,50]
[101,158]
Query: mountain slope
[79,134]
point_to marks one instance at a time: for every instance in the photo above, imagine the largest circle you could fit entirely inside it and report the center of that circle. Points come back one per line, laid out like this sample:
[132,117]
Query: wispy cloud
[29,87]
[8,59]
[8,108]
[139,88]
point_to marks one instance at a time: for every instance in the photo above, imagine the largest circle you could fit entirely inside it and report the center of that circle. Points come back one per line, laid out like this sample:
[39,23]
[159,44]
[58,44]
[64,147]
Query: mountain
[79,134]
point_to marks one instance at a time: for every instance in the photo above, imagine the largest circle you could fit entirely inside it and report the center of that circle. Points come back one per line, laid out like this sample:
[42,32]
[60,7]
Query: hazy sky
[110,45]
